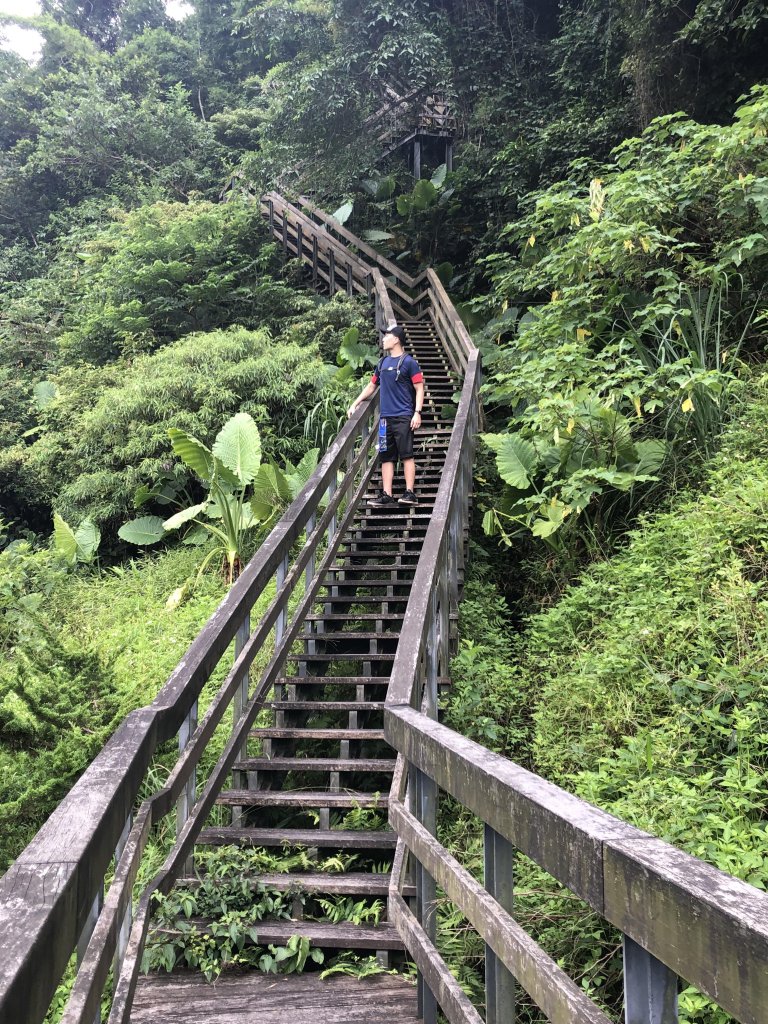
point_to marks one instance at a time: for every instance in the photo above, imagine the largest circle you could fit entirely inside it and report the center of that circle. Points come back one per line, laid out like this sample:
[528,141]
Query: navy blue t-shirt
[398,397]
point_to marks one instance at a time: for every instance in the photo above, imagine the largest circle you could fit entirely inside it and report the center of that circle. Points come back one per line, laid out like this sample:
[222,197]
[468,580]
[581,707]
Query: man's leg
[387,476]
[409,469]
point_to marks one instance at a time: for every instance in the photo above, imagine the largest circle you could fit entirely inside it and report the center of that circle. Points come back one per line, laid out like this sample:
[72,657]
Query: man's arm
[416,419]
[367,391]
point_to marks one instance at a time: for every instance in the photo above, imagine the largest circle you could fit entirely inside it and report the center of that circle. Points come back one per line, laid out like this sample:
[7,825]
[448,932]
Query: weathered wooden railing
[338,259]
[52,899]
[679,917]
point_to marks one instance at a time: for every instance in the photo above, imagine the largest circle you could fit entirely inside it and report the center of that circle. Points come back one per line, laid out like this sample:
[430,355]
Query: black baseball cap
[399,332]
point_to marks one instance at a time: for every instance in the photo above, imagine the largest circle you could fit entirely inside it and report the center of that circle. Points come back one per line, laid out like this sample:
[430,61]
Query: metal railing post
[187,798]
[499,859]
[240,700]
[85,934]
[125,925]
[424,805]
[429,696]
[282,615]
[650,988]
[331,272]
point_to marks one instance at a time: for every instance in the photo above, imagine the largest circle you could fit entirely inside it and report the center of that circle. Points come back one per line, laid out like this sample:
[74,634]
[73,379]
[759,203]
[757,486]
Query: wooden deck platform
[254,998]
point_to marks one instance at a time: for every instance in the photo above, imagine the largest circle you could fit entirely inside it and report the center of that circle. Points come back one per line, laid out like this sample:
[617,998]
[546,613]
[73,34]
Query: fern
[346,909]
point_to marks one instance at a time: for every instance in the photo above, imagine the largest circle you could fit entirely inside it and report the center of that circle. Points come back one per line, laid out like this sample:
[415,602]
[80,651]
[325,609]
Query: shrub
[648,281]
[107,431]
[167,269]
[62,690]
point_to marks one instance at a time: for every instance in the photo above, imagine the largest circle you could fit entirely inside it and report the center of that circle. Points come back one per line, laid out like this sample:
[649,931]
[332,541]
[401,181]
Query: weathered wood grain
[708,927]
[450,997]
[255,998]
[562,1001]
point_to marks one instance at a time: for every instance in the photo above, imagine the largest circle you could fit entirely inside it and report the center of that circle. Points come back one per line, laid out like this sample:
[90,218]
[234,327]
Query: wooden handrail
[382,262]
[46,897]
[706,926]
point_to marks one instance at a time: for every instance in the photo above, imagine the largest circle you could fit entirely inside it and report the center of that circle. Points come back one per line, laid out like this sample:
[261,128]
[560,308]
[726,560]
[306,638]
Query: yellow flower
[688,405]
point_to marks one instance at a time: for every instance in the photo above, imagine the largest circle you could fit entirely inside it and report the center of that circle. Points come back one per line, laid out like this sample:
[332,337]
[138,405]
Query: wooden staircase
[322,757]
[357,641]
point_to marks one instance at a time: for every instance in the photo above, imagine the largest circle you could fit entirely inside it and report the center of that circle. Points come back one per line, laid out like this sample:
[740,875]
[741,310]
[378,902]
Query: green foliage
[231,907]
[226,514]
[487,701]
[649,697]
[78,545]
[345,908]
[113,423]
[63,690]
[169,269]
[418,222]
[348,963]
[653,279]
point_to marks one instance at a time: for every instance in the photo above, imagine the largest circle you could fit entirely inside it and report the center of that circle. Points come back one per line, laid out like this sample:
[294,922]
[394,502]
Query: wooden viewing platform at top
[375,687]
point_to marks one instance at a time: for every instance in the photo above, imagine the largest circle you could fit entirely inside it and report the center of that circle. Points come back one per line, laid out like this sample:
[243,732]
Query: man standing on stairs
[402,399]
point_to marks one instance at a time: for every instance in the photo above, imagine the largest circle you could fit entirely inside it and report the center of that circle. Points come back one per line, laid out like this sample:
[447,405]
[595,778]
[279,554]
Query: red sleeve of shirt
[374,378]
[417,377]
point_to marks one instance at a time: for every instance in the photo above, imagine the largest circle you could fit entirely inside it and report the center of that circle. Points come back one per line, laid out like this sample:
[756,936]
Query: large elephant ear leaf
[193,453]
[238,447]
[303,471]
[516,458]
[143,531]
[64,539]
[88,538]
[185,515]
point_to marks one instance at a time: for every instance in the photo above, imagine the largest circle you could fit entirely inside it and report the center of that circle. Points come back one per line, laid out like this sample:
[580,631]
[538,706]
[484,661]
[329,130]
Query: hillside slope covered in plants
[604,232]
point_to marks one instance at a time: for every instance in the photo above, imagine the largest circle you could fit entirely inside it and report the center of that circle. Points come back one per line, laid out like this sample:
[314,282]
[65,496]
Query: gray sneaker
[407,498]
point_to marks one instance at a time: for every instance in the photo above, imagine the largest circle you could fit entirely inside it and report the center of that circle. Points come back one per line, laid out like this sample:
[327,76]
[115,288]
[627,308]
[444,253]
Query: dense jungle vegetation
[604,233]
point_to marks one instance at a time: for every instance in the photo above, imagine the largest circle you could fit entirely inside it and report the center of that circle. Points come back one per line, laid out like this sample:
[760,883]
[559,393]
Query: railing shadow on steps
[678,915]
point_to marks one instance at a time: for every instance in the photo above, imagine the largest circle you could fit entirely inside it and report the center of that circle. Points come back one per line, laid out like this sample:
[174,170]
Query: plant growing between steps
[231,908]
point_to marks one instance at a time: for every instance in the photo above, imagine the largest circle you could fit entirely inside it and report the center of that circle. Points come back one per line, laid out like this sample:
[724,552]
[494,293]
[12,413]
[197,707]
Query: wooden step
[349,635]
[368,585]
[351,883]
[373,566]
[333,680]
[321,934]
[278,733]
[363,599]
[375,543]
[300,798]
[315,764]
[342,656]
[354,617]
[326,839]
[326,705]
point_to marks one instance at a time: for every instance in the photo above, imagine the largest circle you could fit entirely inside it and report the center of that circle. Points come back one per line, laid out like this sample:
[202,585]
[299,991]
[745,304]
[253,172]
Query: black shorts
[399,439]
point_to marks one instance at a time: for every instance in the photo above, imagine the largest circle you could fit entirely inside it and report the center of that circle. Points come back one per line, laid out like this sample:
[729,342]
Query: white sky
[27,42]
